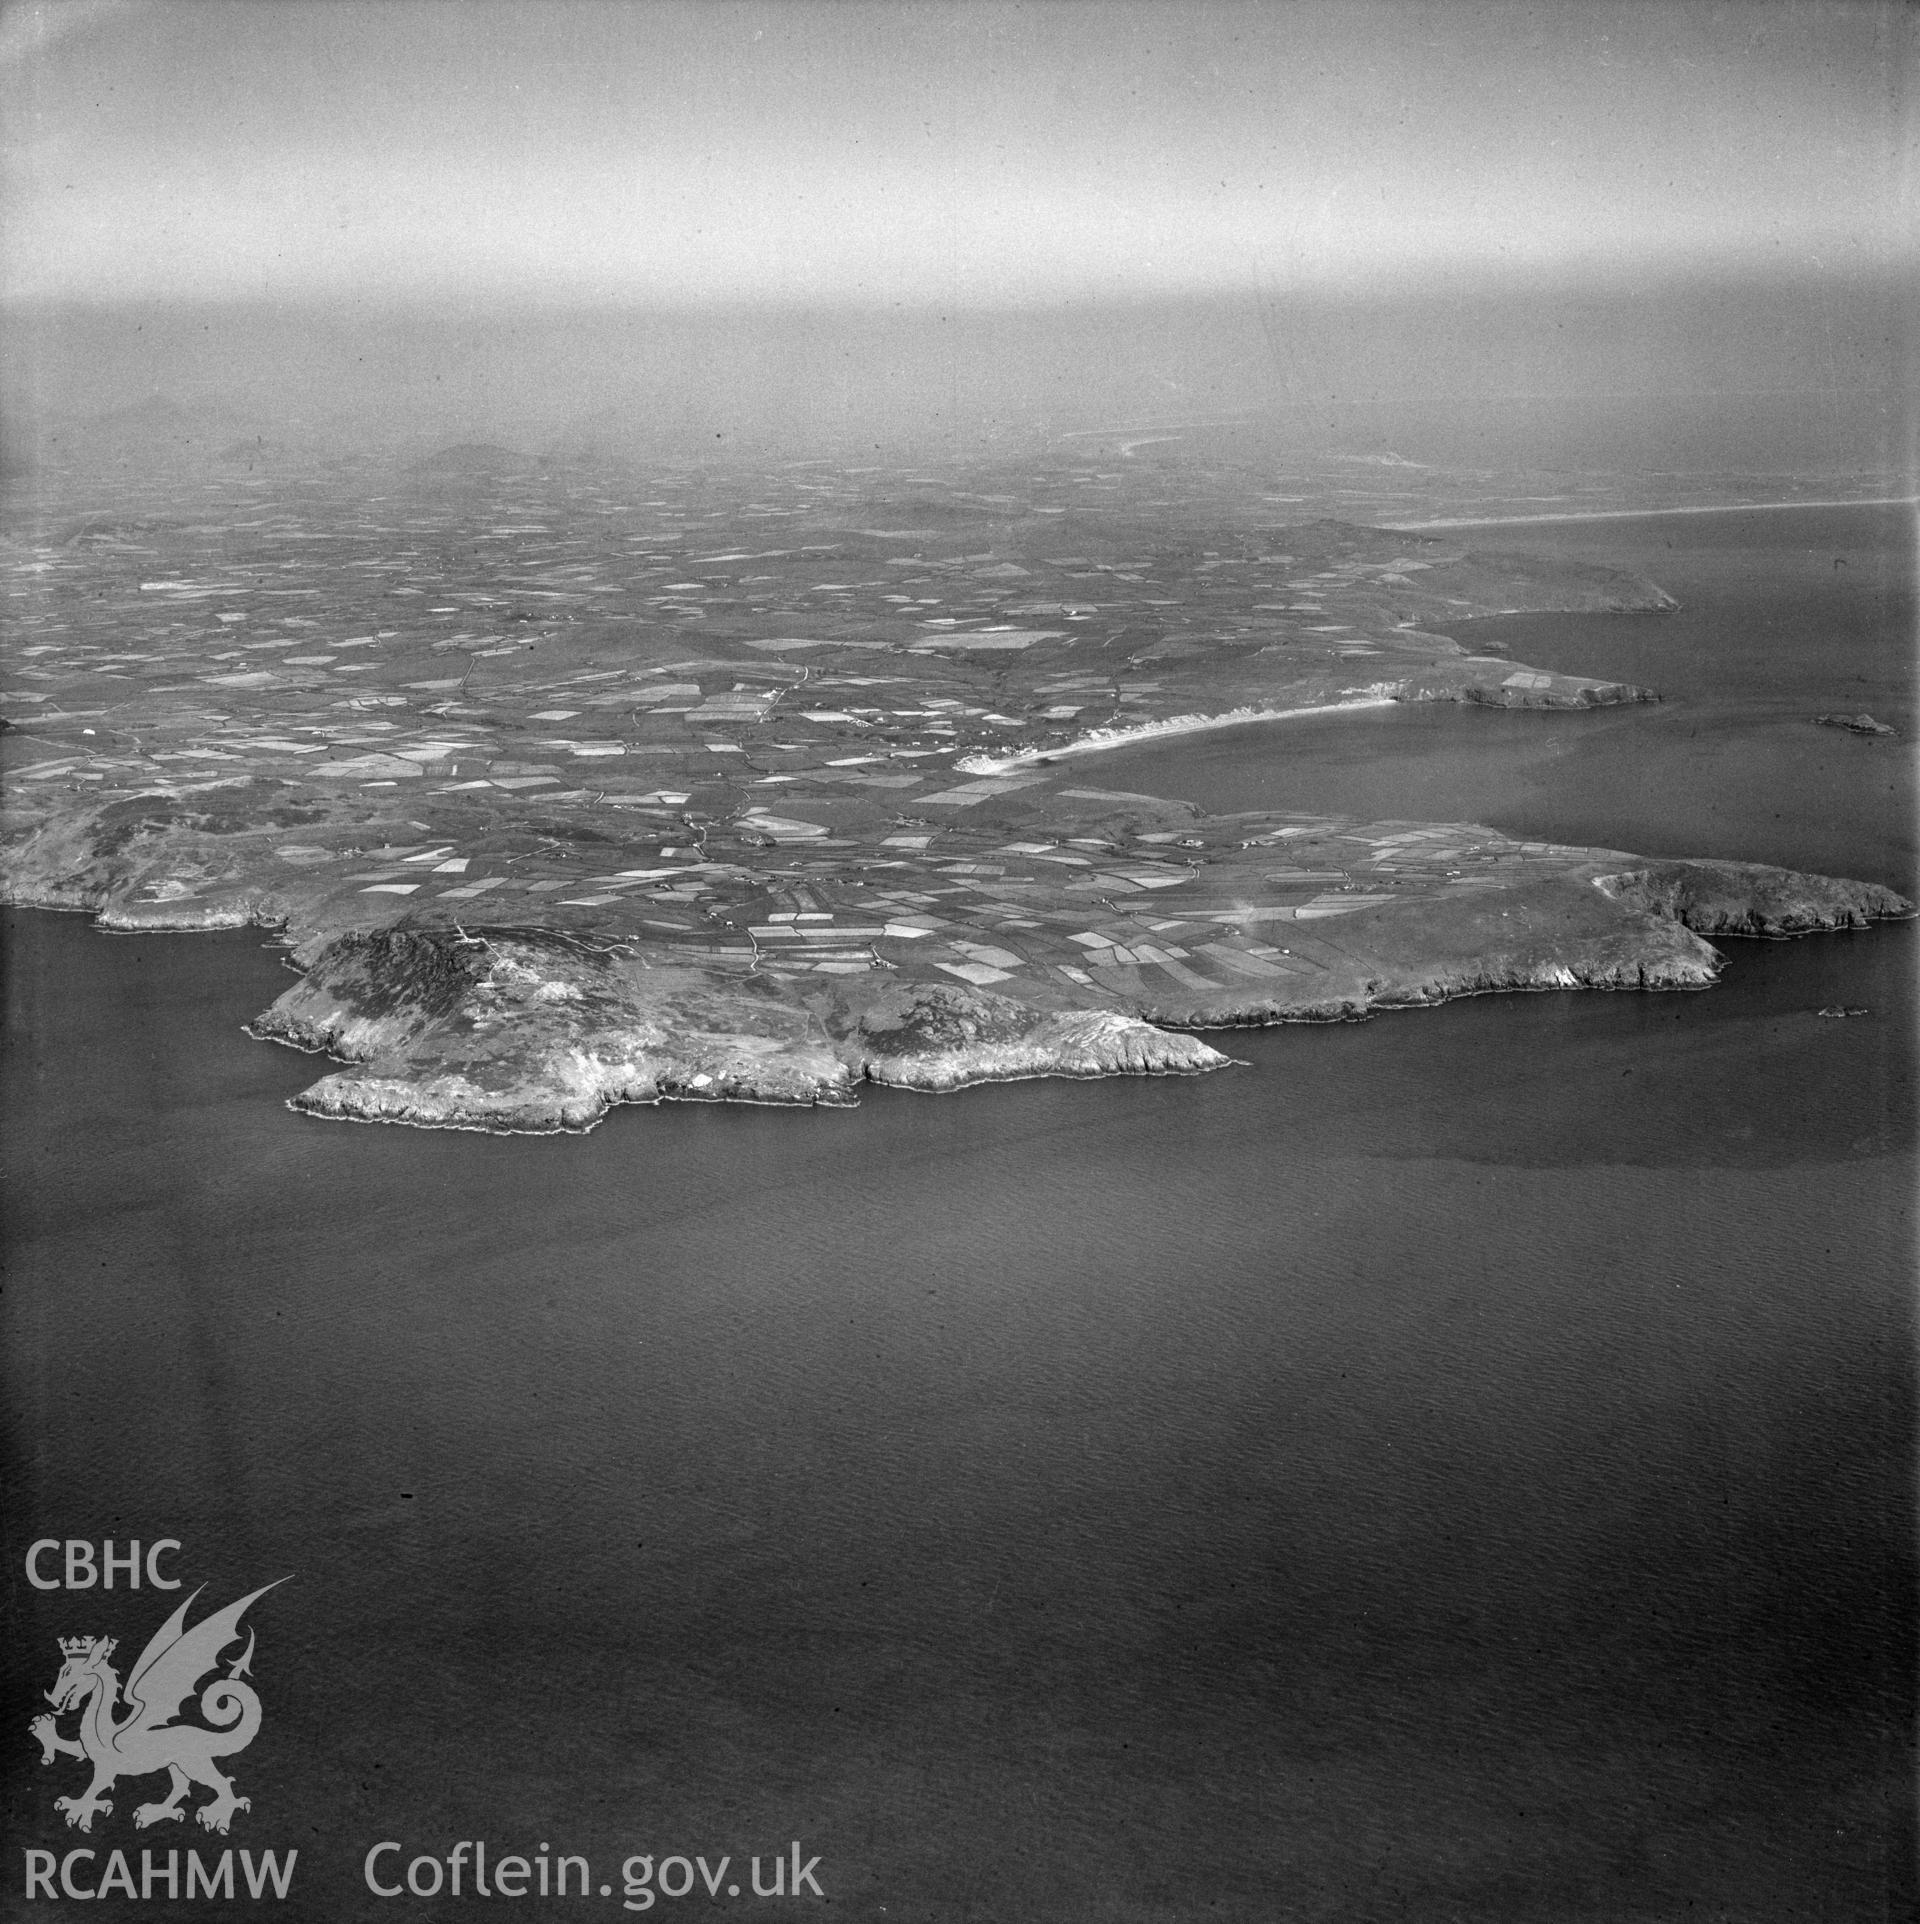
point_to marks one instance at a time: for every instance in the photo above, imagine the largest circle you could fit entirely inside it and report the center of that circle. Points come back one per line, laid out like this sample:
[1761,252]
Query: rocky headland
[605,817]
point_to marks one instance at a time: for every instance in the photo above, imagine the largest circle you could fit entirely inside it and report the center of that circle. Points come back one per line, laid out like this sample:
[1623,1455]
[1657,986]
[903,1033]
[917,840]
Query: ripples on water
[1456,1465]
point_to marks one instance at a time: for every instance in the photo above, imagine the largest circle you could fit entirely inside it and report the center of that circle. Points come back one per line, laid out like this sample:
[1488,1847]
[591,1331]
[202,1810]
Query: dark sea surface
[1455,1466]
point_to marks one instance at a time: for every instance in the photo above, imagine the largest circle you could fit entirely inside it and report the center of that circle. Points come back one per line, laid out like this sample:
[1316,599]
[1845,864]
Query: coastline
[1644,514]
[519,1034]
[1038,930]
[1383,694]
[1097,740]
[372,1080]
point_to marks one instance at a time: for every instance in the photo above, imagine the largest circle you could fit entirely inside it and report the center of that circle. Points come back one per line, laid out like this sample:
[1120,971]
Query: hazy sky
[971,154]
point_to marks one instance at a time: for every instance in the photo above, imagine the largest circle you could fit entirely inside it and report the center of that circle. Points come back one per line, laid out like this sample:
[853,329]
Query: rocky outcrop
[530,1030]
[1549,935]
[934,1037]
[533,1029]
[1536,691]
[504,927]
[526,1031]
[1751,898]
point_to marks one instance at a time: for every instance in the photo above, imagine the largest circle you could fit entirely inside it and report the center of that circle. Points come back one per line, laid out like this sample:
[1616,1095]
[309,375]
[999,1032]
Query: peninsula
[765,790]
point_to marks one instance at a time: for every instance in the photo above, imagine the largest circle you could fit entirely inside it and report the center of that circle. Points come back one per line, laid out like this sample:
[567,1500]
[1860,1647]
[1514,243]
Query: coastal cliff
[1751,898]
[530,1029]
[517,1031]
[938,1038]
[527,876]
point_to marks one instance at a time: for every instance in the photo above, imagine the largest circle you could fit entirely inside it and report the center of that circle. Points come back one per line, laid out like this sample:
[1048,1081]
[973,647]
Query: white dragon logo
[147,1739]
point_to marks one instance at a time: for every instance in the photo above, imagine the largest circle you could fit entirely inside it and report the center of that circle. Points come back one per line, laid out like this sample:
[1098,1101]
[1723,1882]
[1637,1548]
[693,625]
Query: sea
[1453,1466]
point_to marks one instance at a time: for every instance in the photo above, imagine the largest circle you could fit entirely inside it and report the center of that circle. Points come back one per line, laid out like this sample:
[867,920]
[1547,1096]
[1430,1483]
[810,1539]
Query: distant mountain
[258,447]
[157,414]
[157,432]
[475,458]
[161,419]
